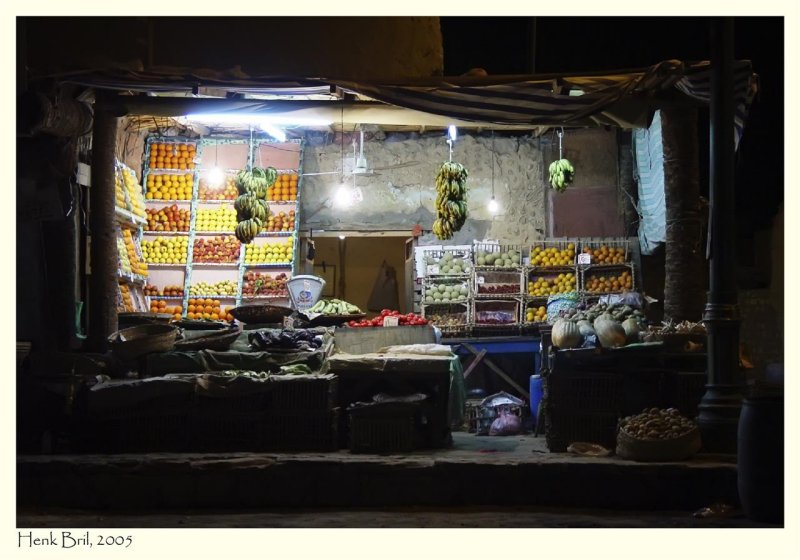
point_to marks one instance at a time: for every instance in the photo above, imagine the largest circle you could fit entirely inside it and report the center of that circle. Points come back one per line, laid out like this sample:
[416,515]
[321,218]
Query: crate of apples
[410,319]
[208,309]
[226,192]
[168,218]
[282,221]
[262,284]
[168,291]
[220,249]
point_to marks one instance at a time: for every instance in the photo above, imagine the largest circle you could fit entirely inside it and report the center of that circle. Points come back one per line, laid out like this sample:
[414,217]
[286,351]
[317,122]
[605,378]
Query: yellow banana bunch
[252,208]
[451,199]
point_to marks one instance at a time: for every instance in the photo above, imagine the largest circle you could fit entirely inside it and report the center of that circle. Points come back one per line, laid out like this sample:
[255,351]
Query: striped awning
[626,99]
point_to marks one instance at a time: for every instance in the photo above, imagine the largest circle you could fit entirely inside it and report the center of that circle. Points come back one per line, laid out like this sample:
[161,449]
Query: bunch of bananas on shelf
[561,174]
[252,208]
[451,199]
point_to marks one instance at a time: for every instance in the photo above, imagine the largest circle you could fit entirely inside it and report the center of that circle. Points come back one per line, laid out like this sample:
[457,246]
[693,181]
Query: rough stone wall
[397,199]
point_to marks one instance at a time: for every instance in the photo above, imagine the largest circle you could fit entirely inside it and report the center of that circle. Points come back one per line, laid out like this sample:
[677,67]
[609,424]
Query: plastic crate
[486,254]
[617,248]
[584,392]
[491,284]
[496,313]
[439,262]
[455,289]
[303,392]
[623,274]
[301,431]
[689,390]
[565,248]
[383,427]
[539,282]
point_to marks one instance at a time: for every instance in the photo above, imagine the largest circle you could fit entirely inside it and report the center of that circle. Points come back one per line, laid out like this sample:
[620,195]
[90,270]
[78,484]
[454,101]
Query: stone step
[497,471]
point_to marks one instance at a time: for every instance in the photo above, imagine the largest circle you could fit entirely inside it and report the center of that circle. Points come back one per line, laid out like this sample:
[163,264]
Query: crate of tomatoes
[390,318]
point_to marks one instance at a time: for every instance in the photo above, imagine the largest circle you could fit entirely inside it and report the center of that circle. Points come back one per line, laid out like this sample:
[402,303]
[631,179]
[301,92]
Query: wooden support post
[102,222]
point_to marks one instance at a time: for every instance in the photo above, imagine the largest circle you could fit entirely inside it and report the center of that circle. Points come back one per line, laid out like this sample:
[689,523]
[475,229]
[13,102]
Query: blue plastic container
[536,397]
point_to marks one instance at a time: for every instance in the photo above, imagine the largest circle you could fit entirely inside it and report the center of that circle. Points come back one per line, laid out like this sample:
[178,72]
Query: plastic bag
[384,292]
[506,424]
[558,303]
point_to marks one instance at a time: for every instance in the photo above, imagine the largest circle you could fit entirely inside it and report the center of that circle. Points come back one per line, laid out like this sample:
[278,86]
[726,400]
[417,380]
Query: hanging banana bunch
[561,174]
[451,199]
[252,208]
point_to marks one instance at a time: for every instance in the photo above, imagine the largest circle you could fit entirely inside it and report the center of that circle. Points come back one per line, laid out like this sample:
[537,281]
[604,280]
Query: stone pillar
[102,222]
[720,407]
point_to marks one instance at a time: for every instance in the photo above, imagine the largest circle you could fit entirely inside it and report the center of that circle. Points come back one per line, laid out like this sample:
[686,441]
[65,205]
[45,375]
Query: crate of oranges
[284,189]
[169,186]
[172,155]
[161,306]
[208,309]
[606,251]
[598,280]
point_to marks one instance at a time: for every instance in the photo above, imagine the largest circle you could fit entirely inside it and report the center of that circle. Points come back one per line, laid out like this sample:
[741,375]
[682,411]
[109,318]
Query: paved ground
[379,518]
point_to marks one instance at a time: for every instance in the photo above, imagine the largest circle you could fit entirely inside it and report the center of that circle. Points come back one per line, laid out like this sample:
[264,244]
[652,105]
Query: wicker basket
[261,313]
[675,449]
[131,343]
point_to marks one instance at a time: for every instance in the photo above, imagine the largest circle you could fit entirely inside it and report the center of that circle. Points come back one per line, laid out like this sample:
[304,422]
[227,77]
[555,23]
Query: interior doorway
[352,264]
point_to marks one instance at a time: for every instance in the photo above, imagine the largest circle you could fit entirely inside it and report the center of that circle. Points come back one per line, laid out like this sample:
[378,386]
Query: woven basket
[261,313]
[129,344]
[676,449]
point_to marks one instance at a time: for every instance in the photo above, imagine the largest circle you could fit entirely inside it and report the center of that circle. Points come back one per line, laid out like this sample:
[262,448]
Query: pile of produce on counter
[294,369]
[613,325]
[409,319]
[209,310]
[298,340]
[655,424]
[160,306]
[334,307]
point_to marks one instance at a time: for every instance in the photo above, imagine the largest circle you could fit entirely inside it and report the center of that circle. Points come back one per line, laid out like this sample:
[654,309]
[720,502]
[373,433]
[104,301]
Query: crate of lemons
[561,255]
[535,313]
[543,286]
[165,250]
[216,220]
[270,253]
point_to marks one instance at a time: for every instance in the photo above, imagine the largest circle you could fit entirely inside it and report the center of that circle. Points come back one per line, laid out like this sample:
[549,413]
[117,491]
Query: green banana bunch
[252,208]
[246,230]
[256,181]
[451,199]
[561,174]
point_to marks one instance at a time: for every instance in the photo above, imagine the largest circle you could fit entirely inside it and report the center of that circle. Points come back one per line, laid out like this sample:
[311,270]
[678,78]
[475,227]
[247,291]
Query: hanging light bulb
[493,206]
[215,177]
[343,196]
[451,132]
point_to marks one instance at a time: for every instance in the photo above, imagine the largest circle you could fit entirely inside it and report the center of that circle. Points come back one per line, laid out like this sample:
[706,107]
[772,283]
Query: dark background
[524,45]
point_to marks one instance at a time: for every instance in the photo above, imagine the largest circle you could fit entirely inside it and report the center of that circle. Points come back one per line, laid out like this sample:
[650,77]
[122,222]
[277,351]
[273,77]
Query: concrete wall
[397,199]
[363,257]
[357,48]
